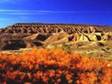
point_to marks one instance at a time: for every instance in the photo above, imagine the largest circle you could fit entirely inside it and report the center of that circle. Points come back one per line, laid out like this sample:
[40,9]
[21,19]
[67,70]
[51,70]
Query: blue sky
[56,11]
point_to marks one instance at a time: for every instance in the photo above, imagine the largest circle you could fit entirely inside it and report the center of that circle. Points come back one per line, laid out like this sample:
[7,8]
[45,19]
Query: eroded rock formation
[23,35]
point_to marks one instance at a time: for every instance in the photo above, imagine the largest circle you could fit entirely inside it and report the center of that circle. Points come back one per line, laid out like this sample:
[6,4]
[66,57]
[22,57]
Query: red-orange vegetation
[42,66]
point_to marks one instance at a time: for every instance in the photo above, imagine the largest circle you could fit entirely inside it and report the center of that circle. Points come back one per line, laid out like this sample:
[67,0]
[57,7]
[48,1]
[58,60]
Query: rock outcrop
[25,35]
[29,28]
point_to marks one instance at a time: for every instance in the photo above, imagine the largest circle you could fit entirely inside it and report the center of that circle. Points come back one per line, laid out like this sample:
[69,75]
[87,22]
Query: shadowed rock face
[42,37]
[11,42]
[13,45]
[23,35]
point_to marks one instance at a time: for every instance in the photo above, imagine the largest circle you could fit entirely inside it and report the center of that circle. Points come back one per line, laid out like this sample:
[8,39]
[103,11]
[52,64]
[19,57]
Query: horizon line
[90,24]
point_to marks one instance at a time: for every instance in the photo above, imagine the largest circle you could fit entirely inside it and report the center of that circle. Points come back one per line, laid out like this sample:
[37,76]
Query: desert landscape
[36,53]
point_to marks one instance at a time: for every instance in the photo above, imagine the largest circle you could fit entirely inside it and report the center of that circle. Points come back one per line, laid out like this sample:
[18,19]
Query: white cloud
[4,0]
[23,12]
[8,1]
[36,12]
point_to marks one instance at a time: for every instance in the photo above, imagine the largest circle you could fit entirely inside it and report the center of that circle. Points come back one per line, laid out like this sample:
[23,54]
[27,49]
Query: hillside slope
[27,35]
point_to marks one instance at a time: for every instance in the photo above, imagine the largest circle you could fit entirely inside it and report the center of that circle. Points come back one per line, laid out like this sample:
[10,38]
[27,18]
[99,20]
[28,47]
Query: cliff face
[24,35]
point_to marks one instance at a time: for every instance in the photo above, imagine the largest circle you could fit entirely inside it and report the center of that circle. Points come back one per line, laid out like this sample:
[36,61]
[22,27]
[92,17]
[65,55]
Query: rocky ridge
[27,35]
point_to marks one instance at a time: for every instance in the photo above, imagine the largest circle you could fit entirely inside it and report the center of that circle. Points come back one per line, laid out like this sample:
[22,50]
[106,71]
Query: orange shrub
[53,66]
